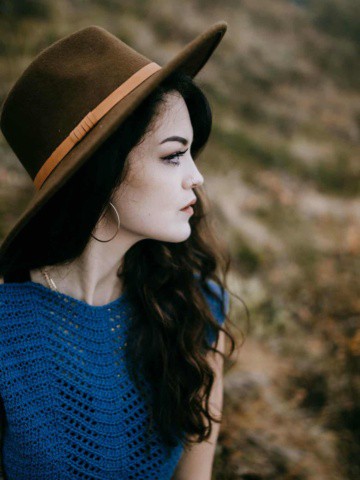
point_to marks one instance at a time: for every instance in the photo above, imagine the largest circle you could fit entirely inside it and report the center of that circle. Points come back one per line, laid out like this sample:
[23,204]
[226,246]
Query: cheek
[153,212]
[146,202]
[149,201]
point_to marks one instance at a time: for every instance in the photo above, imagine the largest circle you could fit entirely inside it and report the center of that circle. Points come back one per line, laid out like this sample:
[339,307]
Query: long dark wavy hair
[163,280]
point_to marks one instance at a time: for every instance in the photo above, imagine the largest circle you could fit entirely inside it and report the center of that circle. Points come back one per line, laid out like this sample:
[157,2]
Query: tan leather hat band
[91,119]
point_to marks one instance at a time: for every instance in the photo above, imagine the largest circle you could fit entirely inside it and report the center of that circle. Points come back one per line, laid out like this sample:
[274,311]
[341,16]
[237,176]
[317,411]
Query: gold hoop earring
[118,227]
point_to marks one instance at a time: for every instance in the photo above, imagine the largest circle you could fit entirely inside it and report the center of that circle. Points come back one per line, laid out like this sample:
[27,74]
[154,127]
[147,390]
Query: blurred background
[282,173]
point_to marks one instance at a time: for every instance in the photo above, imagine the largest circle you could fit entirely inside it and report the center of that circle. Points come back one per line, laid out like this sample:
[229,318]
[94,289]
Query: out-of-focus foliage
[25,8]
[339,18]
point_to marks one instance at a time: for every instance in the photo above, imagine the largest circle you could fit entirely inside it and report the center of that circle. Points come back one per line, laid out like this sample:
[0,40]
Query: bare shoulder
[1,280]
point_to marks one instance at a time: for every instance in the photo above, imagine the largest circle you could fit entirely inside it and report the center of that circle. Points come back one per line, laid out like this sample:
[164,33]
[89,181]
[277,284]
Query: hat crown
[87,54]
[60,87]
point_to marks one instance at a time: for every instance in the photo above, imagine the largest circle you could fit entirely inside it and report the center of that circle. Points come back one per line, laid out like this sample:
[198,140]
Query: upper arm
[2,421]
[216,303]
[216,306]
[197,460]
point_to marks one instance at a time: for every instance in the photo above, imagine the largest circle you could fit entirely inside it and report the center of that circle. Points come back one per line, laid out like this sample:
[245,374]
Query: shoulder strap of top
[17,276]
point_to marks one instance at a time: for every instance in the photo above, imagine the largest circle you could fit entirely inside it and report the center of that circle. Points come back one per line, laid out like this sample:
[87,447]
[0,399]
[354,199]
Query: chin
[176,237]
[184,236]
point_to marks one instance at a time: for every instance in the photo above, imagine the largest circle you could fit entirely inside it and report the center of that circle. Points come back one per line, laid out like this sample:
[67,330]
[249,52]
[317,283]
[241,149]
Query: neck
[93,276]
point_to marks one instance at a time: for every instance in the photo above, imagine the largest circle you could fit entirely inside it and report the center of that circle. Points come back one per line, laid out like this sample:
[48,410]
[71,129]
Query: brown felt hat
[74,95]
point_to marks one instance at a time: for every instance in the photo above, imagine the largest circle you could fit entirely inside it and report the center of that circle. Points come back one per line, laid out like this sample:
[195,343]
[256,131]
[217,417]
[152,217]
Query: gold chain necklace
[49,280]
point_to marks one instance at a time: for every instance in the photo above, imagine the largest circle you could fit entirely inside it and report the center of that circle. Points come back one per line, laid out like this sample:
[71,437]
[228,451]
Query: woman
[111,307]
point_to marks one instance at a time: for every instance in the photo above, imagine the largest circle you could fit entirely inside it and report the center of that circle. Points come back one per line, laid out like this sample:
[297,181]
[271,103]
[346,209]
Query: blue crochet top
[70,409]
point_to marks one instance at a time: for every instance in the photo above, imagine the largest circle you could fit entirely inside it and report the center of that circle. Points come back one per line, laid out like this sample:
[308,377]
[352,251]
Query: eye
[169,158]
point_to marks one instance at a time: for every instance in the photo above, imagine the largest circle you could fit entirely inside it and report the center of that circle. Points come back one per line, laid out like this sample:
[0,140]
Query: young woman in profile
[112,309]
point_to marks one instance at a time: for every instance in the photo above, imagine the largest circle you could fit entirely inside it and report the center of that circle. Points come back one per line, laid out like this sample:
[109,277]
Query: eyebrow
[175,139]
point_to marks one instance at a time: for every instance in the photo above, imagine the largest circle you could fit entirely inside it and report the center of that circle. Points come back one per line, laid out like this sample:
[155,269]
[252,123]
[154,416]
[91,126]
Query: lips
[193,201]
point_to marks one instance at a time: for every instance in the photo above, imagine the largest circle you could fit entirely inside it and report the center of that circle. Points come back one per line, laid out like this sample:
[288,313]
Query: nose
[197,183]
[195,179]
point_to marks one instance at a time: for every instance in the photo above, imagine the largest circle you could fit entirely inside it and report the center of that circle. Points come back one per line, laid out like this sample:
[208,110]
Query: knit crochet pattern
[71,410]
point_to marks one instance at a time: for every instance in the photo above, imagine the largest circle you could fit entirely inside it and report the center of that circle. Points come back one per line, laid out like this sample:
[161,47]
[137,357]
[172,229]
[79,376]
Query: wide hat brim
[190,60]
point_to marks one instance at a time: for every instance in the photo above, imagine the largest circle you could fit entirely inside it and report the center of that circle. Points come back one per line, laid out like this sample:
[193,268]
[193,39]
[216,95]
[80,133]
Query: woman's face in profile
[150,200]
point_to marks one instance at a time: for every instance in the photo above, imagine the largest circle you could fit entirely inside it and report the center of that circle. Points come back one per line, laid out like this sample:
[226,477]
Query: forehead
[172,118]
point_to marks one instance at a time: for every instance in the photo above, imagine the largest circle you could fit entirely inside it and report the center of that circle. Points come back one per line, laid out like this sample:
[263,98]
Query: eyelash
[174,155]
